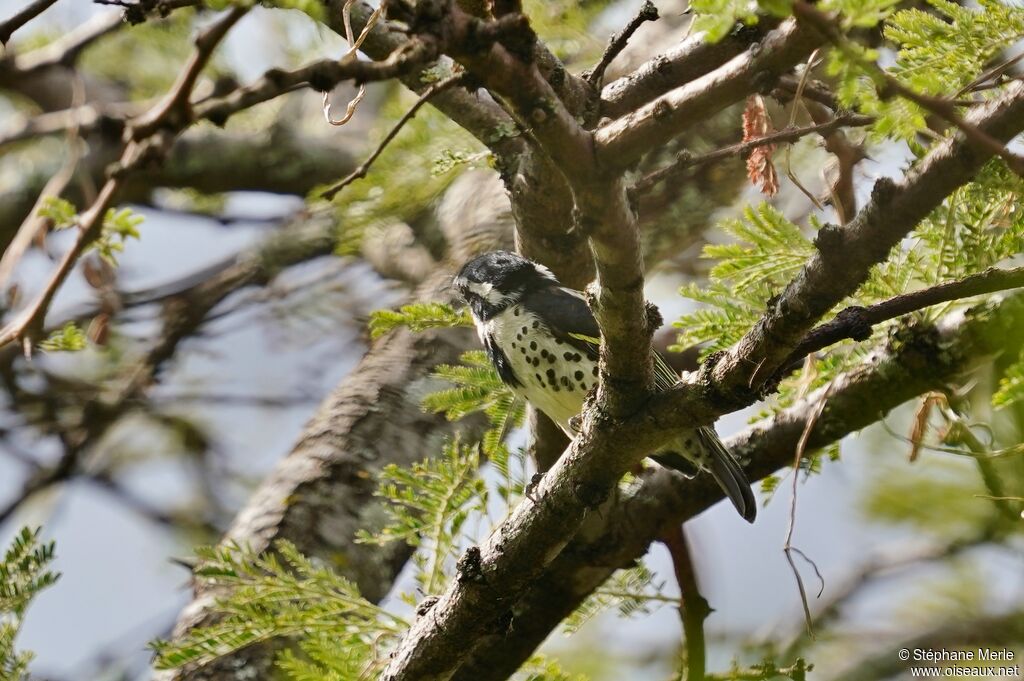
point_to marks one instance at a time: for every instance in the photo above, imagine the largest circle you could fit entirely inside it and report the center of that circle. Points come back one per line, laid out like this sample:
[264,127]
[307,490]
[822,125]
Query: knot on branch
[829,240]
[590,495]
[883,191]
[654,317]
[470,566]
[854,322]
[764,82]
[424,607]
[662,110]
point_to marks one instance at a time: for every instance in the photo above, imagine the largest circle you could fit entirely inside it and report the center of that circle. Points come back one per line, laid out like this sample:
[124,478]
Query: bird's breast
[550,373]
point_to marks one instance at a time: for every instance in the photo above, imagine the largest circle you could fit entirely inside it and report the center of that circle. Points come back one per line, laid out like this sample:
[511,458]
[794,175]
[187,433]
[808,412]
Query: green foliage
[630,592]
[1011,385]
[60,212]
[770,249]
[69,338]
[418,317]
[407,179]
[940,498]
[477,388]
[979,225]
[717,17]
[278,594]
[429,503]
[326,658]
[939,50]
[118,226]
[542,668]
[140,60]
[24,572]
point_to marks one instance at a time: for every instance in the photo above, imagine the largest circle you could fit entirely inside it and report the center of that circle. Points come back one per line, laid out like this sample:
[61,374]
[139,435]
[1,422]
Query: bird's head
[492,282]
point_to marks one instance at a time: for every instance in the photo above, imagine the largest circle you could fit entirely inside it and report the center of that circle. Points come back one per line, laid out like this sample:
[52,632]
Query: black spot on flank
[513,345]
[540,379]
[525,329]
[519,336]
[544,353]
[533,345]
[594,371]
[567,356]
[556,388]
[536,361]
[689,442]
[576,357]
[569,387]
[523,349]
[550,373]
[565,381]
[551,358]
[536,324]
[515,312]
[578,375]
[558,341]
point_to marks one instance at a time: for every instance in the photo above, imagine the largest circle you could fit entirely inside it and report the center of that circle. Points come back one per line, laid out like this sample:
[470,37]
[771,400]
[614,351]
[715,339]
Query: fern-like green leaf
[418,317]
[276,594]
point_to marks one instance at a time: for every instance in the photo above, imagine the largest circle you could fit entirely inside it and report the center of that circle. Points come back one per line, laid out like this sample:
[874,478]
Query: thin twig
[361,171]
[694,608]
[686,160]
[354,45]
[30,12]
[855,322]
[990,74]
[788,548]
[648,12]
[54,187]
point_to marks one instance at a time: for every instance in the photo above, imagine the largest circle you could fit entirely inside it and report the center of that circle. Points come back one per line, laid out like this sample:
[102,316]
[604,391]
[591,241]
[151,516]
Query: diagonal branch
[623,141]
[856,322]
[647,12]
[27,14]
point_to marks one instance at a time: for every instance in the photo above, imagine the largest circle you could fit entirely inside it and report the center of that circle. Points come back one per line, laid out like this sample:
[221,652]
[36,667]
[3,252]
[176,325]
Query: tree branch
[687,61]
[686,160]
[647,12]
[27,14]
[623,141]
[856,322]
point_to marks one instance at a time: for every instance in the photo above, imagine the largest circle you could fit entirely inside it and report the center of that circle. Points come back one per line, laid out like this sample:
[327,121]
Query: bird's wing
[569,318]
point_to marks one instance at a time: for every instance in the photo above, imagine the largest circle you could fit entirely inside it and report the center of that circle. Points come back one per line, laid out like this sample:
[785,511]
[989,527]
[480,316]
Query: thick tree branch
[623,141]
[687,61]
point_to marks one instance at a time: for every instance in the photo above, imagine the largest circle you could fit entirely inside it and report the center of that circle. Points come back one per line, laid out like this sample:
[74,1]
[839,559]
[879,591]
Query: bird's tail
[723,467]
